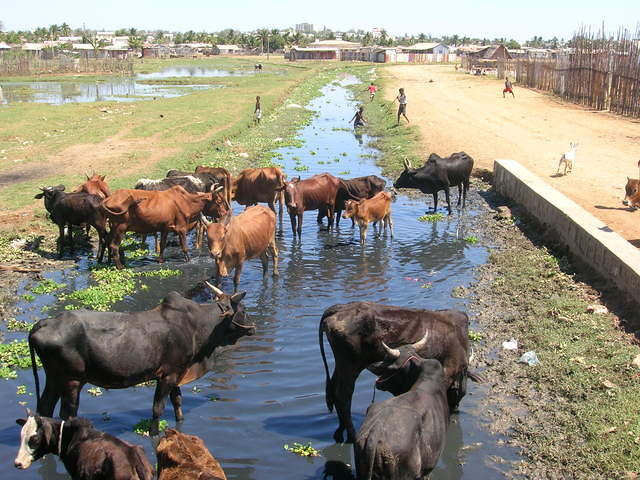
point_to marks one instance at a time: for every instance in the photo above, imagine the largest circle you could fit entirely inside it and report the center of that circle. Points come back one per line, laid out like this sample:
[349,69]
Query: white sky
[473,18]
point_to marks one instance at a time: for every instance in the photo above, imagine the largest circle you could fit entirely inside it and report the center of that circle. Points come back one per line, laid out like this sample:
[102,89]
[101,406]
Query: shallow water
[193,71]
[268,390]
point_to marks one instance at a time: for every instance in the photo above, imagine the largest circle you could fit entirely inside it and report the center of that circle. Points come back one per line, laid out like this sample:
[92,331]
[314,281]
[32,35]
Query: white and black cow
[87,453]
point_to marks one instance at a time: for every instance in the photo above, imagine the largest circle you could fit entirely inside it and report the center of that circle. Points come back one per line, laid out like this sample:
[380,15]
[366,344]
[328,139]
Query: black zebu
[356,332]
[403,437]
[173,344]
[439,174]
[356,189]
[68,209]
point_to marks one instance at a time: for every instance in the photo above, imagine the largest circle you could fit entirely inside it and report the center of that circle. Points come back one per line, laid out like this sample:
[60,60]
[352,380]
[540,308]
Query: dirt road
[459,112]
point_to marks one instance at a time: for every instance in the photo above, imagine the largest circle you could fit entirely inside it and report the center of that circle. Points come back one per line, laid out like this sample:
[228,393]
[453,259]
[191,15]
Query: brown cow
[254,185]
[370,210]
[186,457]
[315,193]
[245,236]
[173,210]
[95,185]
[218,175]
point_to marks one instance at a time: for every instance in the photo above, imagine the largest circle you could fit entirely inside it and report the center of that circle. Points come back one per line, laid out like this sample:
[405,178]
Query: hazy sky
[474,18]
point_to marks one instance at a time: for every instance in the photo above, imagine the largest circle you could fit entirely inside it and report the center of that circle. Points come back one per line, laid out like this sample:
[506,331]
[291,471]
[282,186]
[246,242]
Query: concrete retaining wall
[586,237]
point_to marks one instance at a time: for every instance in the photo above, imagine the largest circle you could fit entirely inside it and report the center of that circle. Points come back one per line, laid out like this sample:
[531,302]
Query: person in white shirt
[402,108]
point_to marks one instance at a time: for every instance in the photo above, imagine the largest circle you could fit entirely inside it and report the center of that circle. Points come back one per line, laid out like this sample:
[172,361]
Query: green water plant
[431,217]
[143,426]
[304,450]
[47,286]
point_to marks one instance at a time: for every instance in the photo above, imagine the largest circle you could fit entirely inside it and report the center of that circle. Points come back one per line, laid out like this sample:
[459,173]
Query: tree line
[265,39]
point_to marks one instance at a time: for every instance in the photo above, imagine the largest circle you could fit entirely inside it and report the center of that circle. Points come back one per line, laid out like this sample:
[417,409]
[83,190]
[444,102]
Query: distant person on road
[508,88]
[402,107]
[372,90]
[358,119]
[258,111]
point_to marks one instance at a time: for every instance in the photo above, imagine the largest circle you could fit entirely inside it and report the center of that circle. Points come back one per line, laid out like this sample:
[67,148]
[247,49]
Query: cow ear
[237,297]
[21,421]
[102,177]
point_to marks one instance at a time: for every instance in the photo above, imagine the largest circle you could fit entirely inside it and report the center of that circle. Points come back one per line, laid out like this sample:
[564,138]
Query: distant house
[326,50]
[72,39]
[428,53]
[226,50]
[116,51]
[485,59]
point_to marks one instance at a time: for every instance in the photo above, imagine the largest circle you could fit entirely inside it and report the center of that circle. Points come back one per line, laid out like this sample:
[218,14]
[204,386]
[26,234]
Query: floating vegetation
[313,152]
[14,325]
[28,297]
[343,154]
[14,355]
[471,239]
[346,172]
[304,450]
[143,426]
[431,217]
[47,286]
[340,129]
[426,285]
[21,390]
[336,160]
[134,249]
[321,162]
[301,168]
[95,391]
[112,286]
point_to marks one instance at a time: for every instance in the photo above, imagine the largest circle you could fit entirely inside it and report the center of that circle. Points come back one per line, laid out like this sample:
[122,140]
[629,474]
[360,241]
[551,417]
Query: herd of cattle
[420,356]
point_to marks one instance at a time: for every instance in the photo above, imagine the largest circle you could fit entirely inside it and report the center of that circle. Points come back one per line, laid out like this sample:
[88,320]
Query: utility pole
[267,46]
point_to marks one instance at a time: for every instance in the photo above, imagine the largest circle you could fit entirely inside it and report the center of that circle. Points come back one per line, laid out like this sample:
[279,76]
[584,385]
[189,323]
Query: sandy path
[459,112]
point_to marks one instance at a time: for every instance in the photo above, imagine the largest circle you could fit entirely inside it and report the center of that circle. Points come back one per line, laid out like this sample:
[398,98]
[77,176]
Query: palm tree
[263,35]
[54,31]
[65,29]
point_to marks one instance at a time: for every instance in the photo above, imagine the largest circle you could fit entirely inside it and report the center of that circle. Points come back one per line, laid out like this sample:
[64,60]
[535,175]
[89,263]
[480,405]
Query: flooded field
[268,390]
[115,89]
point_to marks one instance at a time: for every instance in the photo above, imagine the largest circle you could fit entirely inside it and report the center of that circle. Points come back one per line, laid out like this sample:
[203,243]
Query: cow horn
[204,220]
[422,342]
[219,188]
[392,352]
[214,289]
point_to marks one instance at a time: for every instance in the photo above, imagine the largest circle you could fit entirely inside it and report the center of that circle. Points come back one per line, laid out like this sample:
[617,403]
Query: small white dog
[568,158]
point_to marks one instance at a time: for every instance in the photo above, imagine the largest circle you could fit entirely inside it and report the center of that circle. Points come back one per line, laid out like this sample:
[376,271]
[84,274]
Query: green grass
[592,430]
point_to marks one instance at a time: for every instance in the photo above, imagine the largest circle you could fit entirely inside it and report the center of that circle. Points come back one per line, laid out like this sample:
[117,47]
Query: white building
[304,27]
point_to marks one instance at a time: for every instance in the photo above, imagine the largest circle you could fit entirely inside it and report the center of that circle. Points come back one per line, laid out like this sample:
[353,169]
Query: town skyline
[487,20]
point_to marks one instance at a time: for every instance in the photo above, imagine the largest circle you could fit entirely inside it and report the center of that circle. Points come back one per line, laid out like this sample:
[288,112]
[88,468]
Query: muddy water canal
[268,390]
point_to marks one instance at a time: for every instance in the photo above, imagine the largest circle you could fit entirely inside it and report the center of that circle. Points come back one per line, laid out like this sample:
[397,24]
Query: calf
[370,210]
[87,453]
[356,331]
[245,236]
[185,457]
[403,437]
[68,209]
[356,189]
[315,193]
[439,174]
[568,158]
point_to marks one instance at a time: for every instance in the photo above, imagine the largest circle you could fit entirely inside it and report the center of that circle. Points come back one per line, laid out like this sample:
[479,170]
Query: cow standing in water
[259,185]
[439,174]
[356,332]
[370,210]
[248,235]
[356,189]
[174,345]
[87,453]
[315,193]
[403,437]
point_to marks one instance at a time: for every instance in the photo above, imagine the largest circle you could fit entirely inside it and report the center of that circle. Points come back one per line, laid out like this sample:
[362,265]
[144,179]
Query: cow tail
[34,368]
[328,385]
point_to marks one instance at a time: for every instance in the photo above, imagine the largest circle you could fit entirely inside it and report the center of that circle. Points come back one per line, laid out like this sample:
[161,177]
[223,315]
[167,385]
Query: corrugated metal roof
[4,46]
[228,47]
[423,46]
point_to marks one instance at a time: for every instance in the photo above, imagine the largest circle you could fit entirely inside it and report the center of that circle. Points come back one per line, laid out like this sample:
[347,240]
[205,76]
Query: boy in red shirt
[372,90]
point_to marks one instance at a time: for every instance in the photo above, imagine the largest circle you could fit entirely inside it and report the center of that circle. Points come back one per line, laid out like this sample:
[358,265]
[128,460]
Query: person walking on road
[508,88]
[402,107]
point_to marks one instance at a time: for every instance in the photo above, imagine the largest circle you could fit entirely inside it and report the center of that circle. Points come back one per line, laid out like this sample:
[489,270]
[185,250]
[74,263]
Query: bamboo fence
[26,65]
[598,72]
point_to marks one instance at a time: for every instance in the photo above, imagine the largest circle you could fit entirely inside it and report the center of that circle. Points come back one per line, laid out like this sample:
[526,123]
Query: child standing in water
[402,108]
[258,110]
[358,119]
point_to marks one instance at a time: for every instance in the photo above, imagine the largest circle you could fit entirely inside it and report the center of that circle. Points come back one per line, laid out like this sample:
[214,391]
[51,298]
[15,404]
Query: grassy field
[47,142]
